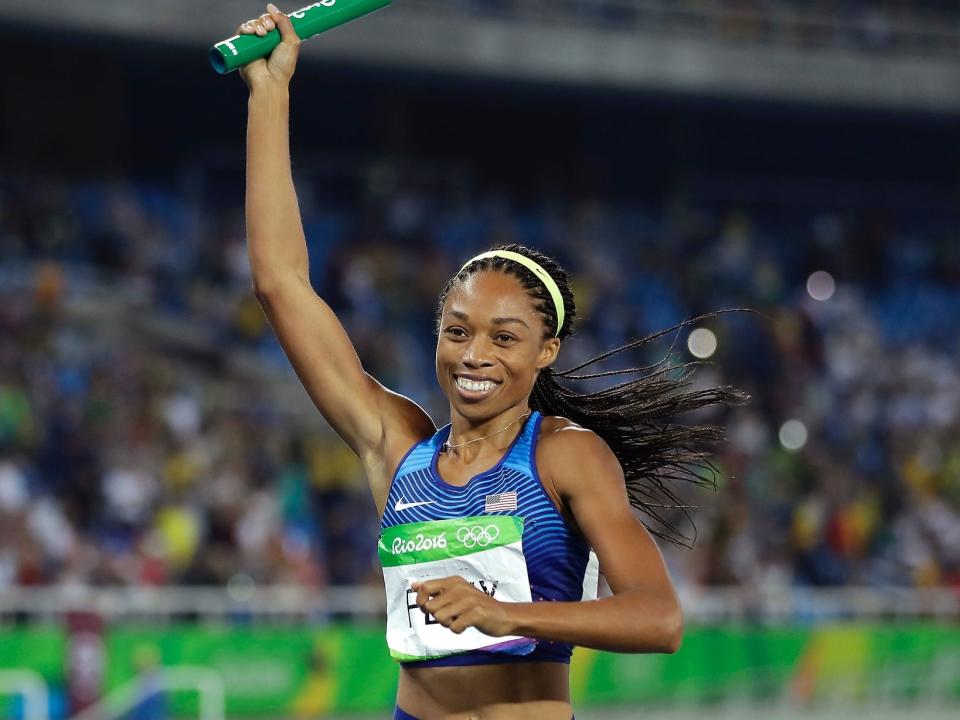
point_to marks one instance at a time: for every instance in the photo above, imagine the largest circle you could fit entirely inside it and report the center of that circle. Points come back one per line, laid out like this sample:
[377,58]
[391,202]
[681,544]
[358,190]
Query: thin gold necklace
[447,446]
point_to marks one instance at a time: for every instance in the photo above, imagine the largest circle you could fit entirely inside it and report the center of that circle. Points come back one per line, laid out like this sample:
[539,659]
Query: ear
[548,353]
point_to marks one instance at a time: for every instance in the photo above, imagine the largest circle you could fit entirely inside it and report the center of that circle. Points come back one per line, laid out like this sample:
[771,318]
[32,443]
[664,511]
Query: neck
[496,433]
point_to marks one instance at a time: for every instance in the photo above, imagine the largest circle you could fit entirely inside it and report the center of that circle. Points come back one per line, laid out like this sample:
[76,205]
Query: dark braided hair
[632,417]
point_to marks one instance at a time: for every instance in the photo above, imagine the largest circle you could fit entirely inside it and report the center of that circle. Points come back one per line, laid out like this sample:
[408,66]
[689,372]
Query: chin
[480,410]
[474,410]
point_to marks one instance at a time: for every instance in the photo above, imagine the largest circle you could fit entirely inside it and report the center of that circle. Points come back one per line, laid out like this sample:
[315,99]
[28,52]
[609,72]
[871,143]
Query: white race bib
[485,550]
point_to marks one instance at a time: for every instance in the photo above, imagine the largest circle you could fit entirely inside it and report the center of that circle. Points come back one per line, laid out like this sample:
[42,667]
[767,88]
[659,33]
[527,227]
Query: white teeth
[474,385]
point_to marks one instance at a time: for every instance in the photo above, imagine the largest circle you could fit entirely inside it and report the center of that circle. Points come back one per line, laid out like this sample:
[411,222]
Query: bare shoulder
[565,439]
[566,451]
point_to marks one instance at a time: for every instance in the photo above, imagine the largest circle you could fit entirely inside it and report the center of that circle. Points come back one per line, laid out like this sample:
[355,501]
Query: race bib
[485,550]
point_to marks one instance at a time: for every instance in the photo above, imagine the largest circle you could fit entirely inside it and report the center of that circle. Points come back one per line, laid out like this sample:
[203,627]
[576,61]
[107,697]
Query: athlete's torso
[525,691]
[556,559]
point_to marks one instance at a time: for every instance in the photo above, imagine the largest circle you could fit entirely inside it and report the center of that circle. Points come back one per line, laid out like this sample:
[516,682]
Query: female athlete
[491,526]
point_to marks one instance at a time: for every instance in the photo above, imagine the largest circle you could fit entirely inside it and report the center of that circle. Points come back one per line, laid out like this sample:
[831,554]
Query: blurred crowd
[143,442]
[929,26]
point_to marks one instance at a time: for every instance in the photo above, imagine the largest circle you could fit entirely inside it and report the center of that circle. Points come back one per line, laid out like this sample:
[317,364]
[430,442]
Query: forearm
[275,239]
[631,621]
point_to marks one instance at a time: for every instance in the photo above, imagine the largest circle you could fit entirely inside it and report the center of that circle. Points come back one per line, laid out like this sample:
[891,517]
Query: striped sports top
[559,563]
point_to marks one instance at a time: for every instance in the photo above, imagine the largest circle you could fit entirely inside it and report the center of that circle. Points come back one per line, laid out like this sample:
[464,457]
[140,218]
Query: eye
[504,337]
[455,331]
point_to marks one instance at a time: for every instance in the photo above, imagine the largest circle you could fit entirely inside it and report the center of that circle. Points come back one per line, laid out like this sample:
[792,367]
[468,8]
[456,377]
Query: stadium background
[173,512]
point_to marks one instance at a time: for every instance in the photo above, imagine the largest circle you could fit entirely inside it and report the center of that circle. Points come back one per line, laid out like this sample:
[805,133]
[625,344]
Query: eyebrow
[496,321]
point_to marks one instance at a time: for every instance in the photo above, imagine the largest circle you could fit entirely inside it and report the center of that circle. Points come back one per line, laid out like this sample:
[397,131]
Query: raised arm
[377,424]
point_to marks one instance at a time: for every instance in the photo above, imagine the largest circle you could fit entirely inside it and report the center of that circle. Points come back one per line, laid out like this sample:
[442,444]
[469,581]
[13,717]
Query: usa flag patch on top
[501,501]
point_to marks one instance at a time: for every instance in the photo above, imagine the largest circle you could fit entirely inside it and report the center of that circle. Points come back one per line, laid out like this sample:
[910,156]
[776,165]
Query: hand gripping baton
[235,52]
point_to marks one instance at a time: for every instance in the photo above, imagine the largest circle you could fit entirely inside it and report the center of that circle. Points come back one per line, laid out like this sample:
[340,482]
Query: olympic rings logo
[477,535]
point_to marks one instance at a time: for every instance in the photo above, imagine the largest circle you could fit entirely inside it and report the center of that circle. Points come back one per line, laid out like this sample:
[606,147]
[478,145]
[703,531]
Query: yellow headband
[542,275]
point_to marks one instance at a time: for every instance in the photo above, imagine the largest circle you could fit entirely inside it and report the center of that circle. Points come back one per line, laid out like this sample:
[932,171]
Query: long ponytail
[634,419]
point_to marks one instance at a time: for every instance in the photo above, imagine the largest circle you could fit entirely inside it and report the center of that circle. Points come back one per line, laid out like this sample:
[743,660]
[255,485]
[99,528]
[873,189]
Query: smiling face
[490,346]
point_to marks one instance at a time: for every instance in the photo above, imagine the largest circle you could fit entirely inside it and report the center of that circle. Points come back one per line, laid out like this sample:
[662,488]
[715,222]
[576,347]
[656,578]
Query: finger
[287,33]
[463,621]
[424,595]
[447,614]
[441,602]
[252,27]
[268,22]
[445,617]
[429,588]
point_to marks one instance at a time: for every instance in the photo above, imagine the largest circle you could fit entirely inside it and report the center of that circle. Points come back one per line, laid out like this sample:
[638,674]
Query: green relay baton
[235,52]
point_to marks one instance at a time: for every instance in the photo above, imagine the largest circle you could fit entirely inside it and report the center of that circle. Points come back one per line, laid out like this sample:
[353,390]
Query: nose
[477,353]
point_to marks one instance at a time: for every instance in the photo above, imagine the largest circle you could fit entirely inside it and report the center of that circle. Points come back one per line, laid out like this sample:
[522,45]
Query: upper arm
[589,480]
[371,419]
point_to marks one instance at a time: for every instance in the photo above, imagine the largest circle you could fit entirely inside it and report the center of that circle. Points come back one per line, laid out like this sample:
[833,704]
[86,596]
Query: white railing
[707,606]
[283,602]
[32,687]
[798,604]
[207,682]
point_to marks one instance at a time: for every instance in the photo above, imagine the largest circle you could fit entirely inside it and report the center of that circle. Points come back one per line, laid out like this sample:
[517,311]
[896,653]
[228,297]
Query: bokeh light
[702,343]
[793,434]
[821,285]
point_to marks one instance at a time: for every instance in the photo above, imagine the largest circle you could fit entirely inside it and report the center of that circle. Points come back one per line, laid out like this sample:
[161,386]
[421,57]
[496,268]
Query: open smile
[473,386]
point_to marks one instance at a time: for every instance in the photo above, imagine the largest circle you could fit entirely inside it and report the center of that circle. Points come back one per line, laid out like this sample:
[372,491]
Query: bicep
[596,495]
[358,408]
